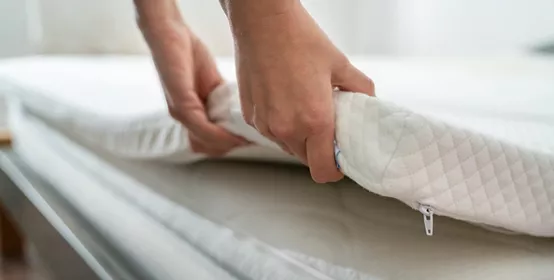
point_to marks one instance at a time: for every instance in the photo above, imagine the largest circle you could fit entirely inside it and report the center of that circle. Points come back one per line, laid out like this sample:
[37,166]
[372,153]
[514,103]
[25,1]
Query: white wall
[376,26]
[407,27]
[393,27]
[108,26]
[337,18]
[455,27]
[208,21]
[89,26]
[14,37]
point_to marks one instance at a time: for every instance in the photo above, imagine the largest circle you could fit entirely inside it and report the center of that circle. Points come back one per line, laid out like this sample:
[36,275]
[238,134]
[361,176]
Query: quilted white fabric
[437,166]
[457,172]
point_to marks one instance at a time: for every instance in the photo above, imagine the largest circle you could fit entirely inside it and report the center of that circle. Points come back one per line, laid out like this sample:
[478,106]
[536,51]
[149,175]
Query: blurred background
[390,28]
[368,27]
[393,28]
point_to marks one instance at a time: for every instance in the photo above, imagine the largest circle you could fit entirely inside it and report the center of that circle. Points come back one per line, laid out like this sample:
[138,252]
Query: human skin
[187,72]
[287,69]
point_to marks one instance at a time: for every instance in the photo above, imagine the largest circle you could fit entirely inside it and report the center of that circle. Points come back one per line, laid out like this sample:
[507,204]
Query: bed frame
[5,138]
[68,245]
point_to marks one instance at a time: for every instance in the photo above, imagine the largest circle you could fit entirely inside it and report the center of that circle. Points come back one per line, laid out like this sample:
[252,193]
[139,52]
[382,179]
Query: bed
[253,219]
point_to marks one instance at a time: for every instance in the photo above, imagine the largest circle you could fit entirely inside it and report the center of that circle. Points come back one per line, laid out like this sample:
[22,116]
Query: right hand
[287,70]
[188,74]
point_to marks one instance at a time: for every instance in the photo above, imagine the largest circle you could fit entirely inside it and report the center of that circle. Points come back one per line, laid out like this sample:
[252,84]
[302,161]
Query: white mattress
[493,167]
[341,230]
[342,224]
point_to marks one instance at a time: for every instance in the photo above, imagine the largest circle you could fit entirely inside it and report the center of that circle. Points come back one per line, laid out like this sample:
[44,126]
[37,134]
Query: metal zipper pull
[337,153]
[427,212]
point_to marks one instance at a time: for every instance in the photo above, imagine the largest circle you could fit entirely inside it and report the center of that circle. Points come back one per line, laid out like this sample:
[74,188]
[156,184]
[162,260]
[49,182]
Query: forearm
[168,39]
[251,15]
[158,15]
[163,28]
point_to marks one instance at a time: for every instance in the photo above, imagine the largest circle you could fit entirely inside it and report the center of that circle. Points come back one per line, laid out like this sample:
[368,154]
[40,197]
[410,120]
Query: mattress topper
[456,139]
[341,230]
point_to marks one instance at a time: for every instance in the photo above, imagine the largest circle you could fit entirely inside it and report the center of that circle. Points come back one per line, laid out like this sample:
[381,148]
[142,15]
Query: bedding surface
[161,240]
[440,154]
[340,230]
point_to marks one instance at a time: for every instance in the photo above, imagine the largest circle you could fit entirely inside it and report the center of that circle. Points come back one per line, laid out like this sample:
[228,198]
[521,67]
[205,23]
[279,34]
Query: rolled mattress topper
[495,173]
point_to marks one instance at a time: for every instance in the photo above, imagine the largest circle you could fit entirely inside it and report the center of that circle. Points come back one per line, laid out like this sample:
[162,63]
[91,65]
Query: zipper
[427,210]
[337,153]
[428,213]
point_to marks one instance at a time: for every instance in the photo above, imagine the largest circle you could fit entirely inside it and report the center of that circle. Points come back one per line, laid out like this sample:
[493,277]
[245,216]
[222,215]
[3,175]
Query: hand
[188,74]
[287,70]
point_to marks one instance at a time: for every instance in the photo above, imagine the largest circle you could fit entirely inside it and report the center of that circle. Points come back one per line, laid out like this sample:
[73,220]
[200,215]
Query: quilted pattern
[460,173]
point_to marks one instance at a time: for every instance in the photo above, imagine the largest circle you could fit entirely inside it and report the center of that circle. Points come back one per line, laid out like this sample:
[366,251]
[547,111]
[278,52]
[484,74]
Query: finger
[292,143]
[197,146]
[284,147]
[207,74]
[321,157]
[262,127]
[350,78]
[171,61]
[211,134]
[298,148]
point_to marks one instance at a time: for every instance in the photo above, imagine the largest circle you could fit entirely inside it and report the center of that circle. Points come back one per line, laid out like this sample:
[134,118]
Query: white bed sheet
[163,240]
[159,253]
[351,233]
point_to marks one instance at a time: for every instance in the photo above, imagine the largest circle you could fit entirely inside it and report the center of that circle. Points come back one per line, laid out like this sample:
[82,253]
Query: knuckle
[175,113]
[184,108]
[263,129]
[281,129]
[316,120]
[179,114]
[342,62]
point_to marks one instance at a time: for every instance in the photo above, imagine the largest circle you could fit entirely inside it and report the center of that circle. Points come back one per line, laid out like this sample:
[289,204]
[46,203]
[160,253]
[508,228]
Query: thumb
[207,76]
[350,78]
